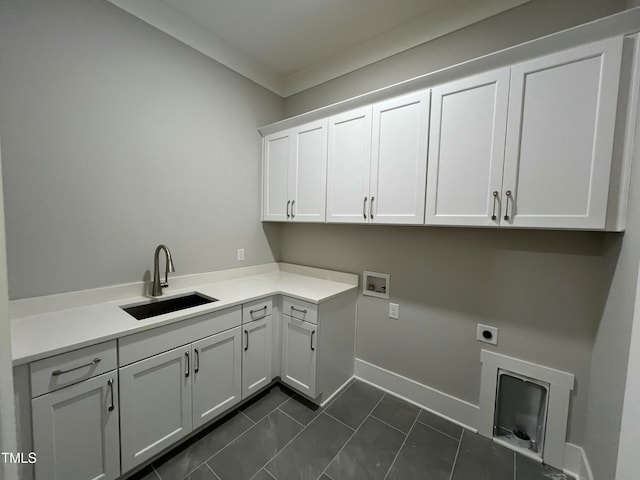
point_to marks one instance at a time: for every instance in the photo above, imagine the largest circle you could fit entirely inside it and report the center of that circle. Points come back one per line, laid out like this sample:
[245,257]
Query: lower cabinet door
[75,431]
[299,351]
[217,374]
[256,355]
[155,404]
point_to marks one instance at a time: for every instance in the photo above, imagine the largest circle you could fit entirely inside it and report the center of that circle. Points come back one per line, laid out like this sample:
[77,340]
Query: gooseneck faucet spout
[156,289]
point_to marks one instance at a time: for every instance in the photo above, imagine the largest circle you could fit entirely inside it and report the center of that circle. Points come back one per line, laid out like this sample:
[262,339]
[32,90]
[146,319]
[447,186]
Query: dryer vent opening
[521,412]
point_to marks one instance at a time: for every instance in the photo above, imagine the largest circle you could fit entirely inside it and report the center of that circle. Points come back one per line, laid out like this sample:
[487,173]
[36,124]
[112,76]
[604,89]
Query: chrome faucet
[156,290]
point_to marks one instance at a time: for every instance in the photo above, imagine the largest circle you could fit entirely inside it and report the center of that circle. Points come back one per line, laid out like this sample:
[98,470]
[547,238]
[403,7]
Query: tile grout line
[211,470]
[404,442]
[440,431]
[247,416]
[264,467]
[285,413]
[329,415]
[455,459]
[389,425]
[515,468]
[324,472]
[217,451]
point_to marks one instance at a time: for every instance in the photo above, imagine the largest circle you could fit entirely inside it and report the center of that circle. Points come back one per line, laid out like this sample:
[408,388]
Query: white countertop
[98,316]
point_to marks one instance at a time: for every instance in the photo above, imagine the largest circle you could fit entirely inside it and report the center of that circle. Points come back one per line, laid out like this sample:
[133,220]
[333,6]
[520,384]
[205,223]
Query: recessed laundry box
[520,417]
[525,406]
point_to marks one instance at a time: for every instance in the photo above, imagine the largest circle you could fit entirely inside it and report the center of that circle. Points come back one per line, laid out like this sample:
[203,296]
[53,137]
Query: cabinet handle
[312,334]
[110,385]
[288,203]
[364,208]
[299,310]
[251,312]
[186,371]
[196,367]
[495,199]
[246,333]
[293,203]
[506,205]
[95,361]
[371,208]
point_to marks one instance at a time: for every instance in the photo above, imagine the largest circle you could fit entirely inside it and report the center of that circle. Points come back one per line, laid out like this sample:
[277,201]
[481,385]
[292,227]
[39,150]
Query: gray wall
[546,291]
[611,347]
[529,21]
[117,138]
[8,441]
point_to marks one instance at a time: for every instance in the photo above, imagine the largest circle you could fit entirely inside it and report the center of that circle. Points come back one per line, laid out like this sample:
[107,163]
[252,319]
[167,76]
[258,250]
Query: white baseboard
[454,409]
[442,404]
[576,463]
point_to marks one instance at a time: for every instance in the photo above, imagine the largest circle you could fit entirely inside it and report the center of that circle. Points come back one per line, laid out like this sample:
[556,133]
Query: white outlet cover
[485,331]
[241,254]
[394,311]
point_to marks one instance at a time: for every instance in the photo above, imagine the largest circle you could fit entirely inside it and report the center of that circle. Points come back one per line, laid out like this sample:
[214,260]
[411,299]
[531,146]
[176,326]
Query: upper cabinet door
[276,150]
[466,150]
[308,173]
[349,166]
[399,160]
[560,138]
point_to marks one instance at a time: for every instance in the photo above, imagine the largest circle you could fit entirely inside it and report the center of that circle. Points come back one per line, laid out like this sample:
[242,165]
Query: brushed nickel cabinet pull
[288,203]
[110,385]
[506,205]
[312,334]
[196,367]
[299,310]
[246,347]
[188,362]
[95,361]
[364,208]
[495,199]
[371,208]
[293,203]
[251,312]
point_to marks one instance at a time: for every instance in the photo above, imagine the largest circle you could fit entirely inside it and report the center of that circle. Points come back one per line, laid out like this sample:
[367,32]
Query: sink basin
[160,307]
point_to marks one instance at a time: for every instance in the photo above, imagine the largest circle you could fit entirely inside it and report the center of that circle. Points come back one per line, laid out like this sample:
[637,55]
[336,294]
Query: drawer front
[68,368]
[300,309]
[256,310]
[161,339]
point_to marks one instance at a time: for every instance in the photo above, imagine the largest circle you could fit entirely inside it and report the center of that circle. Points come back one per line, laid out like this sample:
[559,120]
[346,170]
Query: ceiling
[289,46]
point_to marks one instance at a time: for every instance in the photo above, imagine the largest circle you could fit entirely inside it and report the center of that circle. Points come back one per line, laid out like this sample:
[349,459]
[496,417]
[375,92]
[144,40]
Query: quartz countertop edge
[42,335]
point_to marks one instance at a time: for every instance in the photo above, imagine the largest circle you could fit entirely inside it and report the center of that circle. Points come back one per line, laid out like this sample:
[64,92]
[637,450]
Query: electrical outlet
[394,311]
[241,254]
[487,334]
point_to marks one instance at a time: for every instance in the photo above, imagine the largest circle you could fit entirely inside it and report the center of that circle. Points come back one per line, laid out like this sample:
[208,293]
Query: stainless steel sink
[160,307]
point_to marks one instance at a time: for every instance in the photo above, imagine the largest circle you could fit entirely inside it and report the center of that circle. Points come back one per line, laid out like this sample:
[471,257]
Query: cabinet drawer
[66,369]
[300,309]
[161,339]
[256,310]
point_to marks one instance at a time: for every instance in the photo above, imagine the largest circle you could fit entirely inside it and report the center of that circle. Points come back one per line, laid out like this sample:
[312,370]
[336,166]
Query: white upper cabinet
[377,162]
[399,160]
[466,150]
[559,144]
[275,168]
[294,174]
[348,169]
[308,169]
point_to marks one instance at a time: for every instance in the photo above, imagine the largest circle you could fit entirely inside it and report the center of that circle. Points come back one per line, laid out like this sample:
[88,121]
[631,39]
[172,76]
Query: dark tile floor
[363,434]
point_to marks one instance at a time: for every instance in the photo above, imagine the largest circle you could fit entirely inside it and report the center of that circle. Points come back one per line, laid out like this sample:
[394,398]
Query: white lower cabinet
[216,375]
[75,431]
[167,396]
[155,405]
[299,349]
[256,355]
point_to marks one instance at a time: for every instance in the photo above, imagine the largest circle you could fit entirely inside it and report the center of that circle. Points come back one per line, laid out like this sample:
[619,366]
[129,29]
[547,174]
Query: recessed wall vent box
[375,284]
[521,412]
